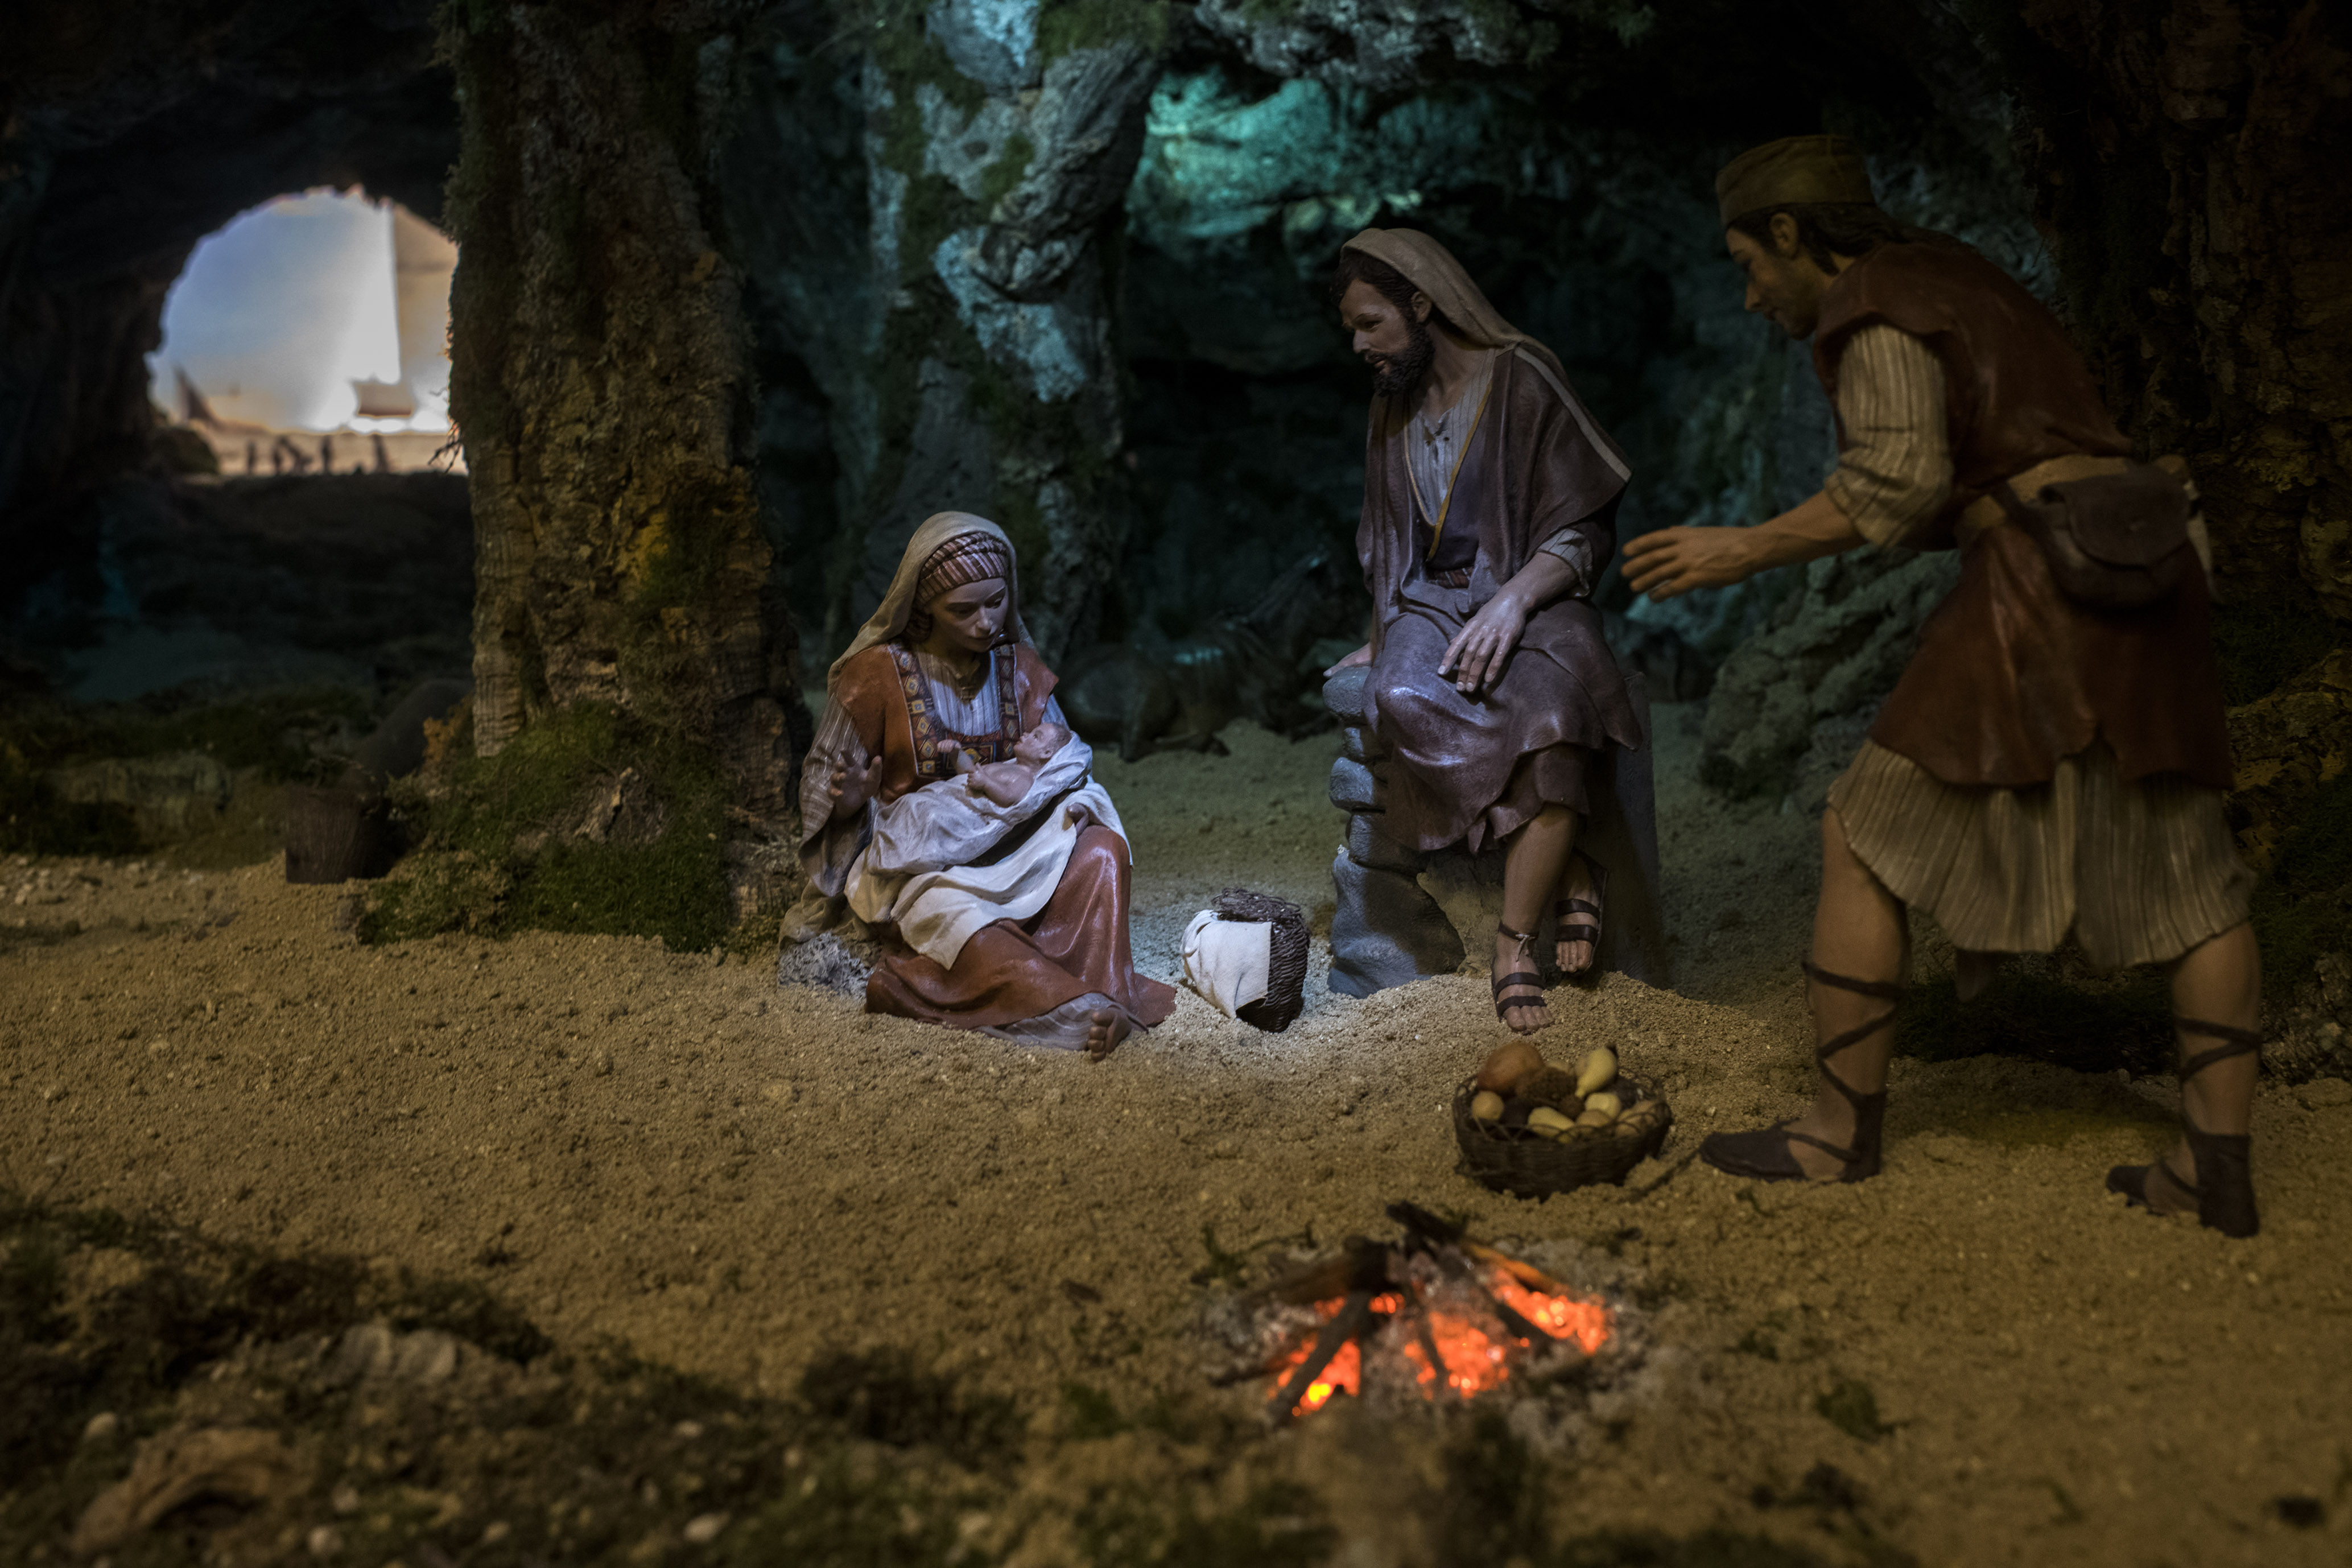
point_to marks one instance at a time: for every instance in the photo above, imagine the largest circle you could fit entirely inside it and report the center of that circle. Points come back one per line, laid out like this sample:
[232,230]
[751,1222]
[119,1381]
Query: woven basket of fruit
[1529,1129]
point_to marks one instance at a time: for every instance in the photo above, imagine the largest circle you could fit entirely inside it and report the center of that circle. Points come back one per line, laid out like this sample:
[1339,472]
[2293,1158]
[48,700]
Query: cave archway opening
[309,529]
[309,334]
[296,561]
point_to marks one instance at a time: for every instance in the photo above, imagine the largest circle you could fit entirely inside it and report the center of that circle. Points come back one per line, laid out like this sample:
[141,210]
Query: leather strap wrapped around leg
[1765,1154]
[2237,1042]
[1886,990]
[2223,1162]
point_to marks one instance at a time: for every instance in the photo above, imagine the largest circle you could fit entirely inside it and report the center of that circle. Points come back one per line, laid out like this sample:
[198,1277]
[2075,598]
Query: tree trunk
[600,376]
[2188,159]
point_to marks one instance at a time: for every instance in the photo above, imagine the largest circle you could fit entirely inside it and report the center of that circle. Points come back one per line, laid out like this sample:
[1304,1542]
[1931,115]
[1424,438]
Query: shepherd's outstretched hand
[851,787]
[1672,561]
[1362,656]
[1475,657]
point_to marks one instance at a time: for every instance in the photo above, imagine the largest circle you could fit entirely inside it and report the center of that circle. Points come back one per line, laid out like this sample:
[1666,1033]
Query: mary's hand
[1475,657]
[851,787]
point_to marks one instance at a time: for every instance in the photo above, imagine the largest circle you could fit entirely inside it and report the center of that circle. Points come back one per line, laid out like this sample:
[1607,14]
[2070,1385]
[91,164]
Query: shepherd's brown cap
[1795,169]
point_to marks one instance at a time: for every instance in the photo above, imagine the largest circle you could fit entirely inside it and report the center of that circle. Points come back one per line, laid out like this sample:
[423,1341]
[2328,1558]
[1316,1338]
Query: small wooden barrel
[334,835]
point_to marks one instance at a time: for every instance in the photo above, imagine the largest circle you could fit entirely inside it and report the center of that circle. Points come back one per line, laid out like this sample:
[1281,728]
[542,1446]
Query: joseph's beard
[1397,376]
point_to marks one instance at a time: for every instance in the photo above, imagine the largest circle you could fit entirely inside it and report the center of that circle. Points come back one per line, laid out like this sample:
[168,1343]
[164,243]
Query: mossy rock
[173,770]
[589,821]
[2287,746]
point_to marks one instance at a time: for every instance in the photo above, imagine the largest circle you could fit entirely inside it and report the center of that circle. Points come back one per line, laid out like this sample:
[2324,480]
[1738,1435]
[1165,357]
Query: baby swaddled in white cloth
[950,857]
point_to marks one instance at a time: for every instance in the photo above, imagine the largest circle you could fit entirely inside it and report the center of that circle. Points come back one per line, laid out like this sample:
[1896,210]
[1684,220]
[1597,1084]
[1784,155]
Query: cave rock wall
[956,305]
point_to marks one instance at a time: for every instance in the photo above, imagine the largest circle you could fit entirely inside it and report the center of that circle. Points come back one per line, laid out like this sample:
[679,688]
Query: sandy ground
[732,1178]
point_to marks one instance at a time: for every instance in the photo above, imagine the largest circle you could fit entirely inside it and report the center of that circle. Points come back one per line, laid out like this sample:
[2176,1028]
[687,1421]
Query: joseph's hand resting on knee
[1475,658]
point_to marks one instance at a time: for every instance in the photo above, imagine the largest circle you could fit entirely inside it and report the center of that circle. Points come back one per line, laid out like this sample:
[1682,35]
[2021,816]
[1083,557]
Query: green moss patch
[2260,646]
[530,1457]
[1006,171]
[34,820]
[302,736]
[1499,1498]
[588,821]
[1063,26]
[298,736]
[2303,909]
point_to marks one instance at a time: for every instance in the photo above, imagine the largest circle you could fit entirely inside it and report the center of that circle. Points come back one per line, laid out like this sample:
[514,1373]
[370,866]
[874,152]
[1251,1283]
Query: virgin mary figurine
[1008,919]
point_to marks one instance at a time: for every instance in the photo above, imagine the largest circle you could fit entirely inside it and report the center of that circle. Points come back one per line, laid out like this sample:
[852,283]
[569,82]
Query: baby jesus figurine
[1007,783]
[963,818]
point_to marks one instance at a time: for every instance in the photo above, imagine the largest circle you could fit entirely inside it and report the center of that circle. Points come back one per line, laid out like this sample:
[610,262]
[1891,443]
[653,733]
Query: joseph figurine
[1490,500]
[2054,759]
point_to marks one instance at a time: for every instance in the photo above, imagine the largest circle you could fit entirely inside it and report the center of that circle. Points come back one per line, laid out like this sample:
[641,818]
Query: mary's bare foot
[1521,1006]
[1105,1028]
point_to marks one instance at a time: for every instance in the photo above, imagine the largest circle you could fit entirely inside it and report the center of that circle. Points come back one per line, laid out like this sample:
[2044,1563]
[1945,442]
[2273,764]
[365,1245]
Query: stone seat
[1402,914]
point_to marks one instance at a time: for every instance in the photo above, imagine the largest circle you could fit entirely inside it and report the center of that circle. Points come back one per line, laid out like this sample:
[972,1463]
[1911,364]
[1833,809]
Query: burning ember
[1435,1315]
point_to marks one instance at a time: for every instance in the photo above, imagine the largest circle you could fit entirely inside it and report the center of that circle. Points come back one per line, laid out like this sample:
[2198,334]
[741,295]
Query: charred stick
[1429,1227]
[1429,1348]
[1527,1274]
[1353,1319]
[1513,1321]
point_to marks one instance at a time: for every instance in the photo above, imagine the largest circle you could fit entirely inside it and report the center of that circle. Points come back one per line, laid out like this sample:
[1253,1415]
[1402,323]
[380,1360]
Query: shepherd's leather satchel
[2114,541]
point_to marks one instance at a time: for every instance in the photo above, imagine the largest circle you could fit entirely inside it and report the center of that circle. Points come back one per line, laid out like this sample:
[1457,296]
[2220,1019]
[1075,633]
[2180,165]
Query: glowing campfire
[1435,1316]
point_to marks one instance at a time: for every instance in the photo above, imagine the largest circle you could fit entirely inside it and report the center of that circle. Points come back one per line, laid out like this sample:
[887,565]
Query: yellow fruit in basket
[1595,1118]
[1543,1119]
[1487,1105]
[1507,1064]
[1598,1071]
[1607,1106]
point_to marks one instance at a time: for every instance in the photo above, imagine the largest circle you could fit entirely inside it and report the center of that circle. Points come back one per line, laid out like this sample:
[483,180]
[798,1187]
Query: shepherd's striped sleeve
[1895,472]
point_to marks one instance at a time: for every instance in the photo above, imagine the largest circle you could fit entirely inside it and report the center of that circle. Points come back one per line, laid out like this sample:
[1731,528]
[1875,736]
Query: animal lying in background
[1676,672]
[1251,663]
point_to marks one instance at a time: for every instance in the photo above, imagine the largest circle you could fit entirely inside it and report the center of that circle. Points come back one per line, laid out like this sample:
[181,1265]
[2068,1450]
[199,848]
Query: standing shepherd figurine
[1490,504]
[2054,757]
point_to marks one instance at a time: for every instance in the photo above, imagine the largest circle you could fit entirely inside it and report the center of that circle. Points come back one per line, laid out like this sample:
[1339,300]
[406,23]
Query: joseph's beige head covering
[1792,171]
[899,604]
[1431,268]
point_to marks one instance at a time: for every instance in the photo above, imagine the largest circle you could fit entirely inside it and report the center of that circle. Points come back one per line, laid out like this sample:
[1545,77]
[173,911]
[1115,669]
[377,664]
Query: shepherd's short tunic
[2134,854]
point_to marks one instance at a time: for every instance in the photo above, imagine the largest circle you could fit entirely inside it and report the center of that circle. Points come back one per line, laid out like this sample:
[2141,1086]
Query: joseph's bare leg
[2219,981]
[1858,931]
[1531,869]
